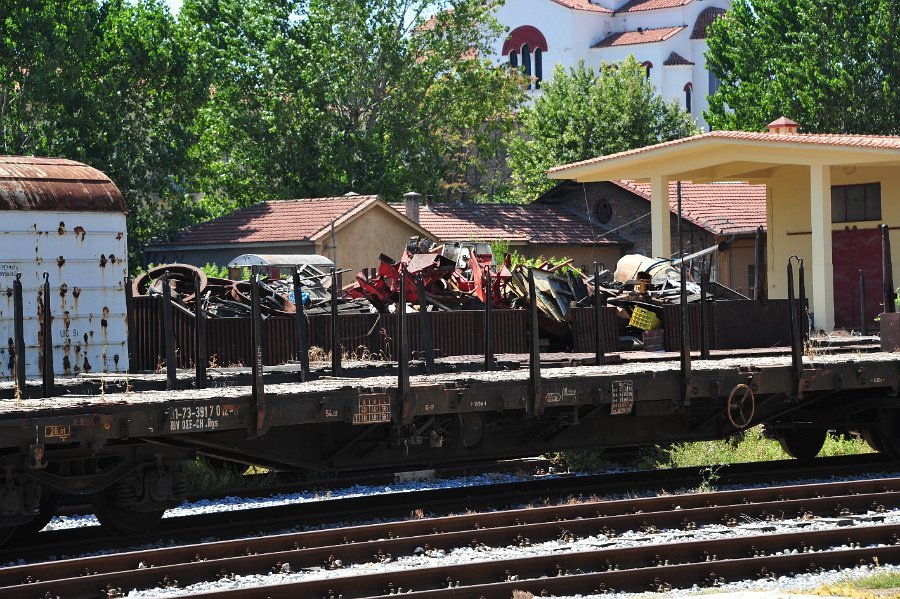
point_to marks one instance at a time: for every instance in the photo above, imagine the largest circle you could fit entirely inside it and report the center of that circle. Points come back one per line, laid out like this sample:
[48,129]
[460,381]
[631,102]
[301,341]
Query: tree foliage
[320,97]
[109,84]
[583,114]
[831,65]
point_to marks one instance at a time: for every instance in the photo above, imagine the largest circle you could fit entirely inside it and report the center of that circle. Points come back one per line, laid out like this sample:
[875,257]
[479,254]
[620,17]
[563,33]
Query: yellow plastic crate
[644,319]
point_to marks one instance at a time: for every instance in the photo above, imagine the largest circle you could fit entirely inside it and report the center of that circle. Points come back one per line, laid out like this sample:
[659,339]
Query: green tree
[319,97]
[109,84]
[831,65]
[583,114]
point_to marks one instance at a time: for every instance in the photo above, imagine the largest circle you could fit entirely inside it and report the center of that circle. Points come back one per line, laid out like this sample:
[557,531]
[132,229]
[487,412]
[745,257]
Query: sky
[174,6]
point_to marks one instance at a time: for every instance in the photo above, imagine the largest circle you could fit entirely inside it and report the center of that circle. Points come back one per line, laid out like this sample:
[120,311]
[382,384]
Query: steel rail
[197,563]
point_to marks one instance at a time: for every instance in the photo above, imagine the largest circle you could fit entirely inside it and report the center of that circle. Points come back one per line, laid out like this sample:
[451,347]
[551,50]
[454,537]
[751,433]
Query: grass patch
[750,446]
[877,586]
[203,478]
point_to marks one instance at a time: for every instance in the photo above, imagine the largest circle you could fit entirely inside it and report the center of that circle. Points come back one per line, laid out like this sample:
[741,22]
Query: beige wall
[362,240]
[789,217]
[734,264]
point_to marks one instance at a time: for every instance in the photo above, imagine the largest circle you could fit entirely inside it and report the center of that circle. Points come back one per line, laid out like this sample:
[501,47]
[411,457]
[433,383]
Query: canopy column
[659,217]
[822,304]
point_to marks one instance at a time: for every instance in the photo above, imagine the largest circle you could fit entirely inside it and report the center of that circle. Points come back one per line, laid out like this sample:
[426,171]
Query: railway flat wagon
[121,439]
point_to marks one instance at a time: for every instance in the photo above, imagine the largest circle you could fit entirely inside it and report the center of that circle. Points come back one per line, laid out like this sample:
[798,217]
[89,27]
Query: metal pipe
[762,293]
[425,321]
[259,425]
[168,332]
[201,355]
[335,338]
[863,319]
[132,327]
[534,358]
[722,246]
[48,377]
[302,328]
[599,303]
[19,335]
[887,271]
[488,324]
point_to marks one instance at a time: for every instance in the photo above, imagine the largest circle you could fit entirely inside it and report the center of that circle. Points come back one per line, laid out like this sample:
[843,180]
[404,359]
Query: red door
[851,251]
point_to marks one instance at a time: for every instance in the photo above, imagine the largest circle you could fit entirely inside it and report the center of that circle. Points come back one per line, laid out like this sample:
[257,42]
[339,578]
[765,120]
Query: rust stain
[60,261]
[63,289]
[29,183]
[79,230]
[67,364]
[102,260]
[62,228]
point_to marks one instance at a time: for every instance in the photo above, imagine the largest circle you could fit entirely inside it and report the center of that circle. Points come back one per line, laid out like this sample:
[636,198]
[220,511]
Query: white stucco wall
[570,33]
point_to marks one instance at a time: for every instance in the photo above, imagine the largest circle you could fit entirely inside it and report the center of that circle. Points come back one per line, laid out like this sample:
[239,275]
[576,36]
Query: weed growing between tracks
[203,478]
[751,446]
[877,586]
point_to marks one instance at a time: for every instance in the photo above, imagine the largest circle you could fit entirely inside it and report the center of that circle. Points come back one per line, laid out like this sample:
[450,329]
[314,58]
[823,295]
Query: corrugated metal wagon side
[67,220]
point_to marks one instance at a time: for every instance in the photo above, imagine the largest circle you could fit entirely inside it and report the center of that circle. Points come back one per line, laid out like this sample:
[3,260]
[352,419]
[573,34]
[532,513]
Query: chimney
[783,126]
[412,205]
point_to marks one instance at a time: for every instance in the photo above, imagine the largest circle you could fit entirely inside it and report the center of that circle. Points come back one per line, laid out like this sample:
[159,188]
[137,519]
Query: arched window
[526,60]
[688,93]
[647,66]
[531,44]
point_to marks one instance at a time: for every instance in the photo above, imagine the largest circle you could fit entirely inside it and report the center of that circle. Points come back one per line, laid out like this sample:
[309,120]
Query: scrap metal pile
[452,277]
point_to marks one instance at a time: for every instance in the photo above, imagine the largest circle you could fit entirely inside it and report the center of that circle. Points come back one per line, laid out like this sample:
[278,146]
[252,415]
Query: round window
[603,211]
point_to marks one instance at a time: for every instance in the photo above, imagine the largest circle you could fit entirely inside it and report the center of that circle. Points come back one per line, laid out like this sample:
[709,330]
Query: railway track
[317,563]
[240,522]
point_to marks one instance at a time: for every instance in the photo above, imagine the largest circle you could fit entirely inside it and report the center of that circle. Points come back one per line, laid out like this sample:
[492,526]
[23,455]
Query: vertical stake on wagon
[762,293]
[132,326]
[335,338]
[425,320]
[259,425]
[47,341]
[863,317]
[534,359]
[685,324]
[704,310]
[402,349]
[488,324]
[887,271]
[302,330]
[168,333]
[201,355]
[805,322]
[795,312]
[599,304]
[19,334]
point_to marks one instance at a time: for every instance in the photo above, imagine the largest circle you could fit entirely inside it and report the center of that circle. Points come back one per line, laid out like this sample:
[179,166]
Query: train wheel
[803,444]
[887,433]
[120,517]
[873,440]
[48,505]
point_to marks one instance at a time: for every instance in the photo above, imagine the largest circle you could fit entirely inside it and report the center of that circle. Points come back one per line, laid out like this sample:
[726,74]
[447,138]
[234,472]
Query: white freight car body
[66,220]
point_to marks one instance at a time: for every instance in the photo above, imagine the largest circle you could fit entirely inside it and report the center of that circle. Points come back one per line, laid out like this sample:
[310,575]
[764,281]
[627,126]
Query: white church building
[667,36]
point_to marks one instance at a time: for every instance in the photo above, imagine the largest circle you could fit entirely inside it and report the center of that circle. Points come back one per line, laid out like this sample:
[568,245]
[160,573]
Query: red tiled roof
[516,223]
[839,140]
[723,208]
[704,19]
[676,59]
[278,220]
[640,5]
[644,36]
[582,5]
